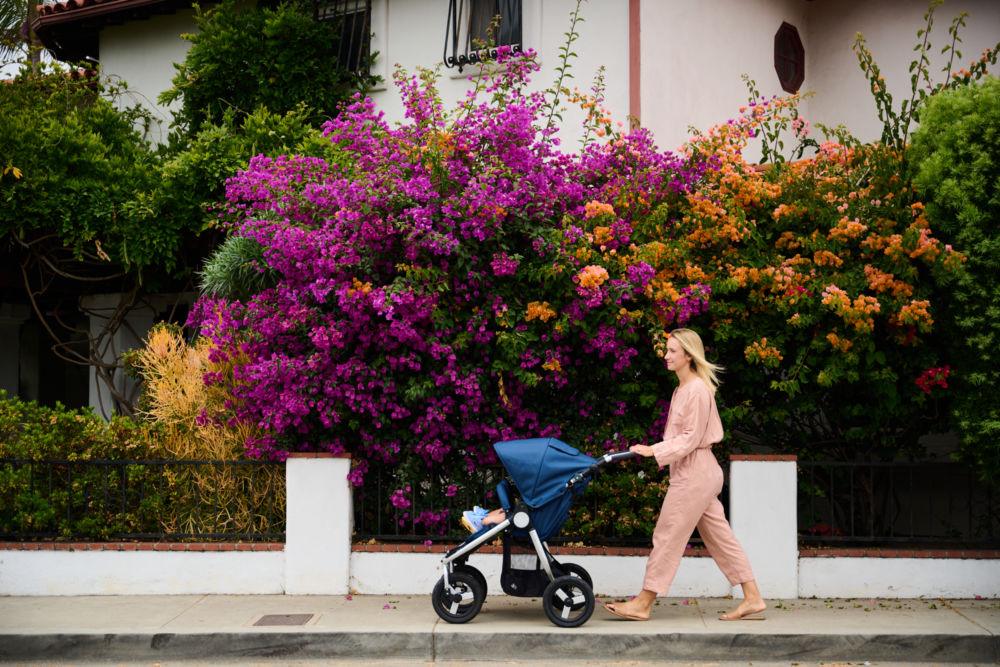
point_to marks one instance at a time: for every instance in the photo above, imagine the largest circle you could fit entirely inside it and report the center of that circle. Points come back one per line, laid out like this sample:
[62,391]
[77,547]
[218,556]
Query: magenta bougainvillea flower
[432,297]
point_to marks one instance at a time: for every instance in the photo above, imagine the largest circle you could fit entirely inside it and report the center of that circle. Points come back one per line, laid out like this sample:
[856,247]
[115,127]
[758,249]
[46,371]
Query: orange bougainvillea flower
[594,209]
[592,276]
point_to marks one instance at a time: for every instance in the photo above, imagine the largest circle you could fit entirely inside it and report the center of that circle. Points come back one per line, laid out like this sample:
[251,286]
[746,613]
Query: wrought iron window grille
[355,20]
[473,33]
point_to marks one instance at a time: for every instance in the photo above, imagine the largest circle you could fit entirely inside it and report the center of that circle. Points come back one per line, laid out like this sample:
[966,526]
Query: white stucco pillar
[138,321]
[319,513]
[12,316]
[763,510]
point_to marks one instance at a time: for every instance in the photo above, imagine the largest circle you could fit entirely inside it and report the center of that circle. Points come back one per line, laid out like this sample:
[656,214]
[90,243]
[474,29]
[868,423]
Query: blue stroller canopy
[540,467]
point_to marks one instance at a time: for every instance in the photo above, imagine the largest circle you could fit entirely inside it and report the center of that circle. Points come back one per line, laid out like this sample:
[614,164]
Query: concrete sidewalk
[216,627]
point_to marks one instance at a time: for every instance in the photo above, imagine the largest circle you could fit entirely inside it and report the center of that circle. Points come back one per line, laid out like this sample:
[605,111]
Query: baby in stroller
[473,520]
[544,476]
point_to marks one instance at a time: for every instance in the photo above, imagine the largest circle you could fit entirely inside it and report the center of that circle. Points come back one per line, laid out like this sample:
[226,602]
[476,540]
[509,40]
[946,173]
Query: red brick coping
[978,554]
[763,457]
[363,547]
[496,549]
[142,546]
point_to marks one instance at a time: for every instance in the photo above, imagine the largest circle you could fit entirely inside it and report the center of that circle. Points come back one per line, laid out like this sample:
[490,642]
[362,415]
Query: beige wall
[142,53]
[889,27]
[413,34]
[693,54]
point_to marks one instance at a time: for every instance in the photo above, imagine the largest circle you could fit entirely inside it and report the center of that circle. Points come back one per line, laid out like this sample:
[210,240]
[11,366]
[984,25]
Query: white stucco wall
[142,54]
[141,572]
[416,573]
[693,54]
[890,29]
[414,34]
[898,578]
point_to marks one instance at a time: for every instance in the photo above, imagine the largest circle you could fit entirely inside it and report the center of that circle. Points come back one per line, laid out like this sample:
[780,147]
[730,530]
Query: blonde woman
[693,426]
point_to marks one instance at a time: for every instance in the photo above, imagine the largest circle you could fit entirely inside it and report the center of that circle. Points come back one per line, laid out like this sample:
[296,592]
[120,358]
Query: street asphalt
[388,629]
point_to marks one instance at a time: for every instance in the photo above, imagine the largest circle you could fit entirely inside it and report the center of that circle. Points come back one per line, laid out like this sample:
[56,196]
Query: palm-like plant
[16,37]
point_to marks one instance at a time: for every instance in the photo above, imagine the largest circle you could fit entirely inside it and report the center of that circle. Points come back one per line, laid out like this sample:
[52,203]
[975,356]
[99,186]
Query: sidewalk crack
[184,611]
[434,640]
[947,603]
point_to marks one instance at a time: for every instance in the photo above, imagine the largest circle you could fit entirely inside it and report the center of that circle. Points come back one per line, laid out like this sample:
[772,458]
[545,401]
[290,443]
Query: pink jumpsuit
[693,426]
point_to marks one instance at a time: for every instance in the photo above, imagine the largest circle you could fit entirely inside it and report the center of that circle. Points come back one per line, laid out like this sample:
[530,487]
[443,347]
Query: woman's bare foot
[748,610]
[636,609]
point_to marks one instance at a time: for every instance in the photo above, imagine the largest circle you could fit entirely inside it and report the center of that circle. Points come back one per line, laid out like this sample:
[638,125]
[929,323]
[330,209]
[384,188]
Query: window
[789,58]
[355,19]
[469,27]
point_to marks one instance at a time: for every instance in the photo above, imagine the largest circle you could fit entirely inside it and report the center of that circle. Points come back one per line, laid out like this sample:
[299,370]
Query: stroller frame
[568,598]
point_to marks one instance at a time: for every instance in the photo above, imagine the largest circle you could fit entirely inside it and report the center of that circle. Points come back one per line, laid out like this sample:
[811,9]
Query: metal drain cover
[284,619]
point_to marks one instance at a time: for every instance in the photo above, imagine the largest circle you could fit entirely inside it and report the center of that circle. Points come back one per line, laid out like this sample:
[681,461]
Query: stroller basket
[547,475]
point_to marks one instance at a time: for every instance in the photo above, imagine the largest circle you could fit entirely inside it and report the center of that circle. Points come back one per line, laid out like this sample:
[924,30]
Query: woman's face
[676,356]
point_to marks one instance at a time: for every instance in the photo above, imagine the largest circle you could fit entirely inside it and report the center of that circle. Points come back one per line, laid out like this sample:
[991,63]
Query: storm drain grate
[284,619]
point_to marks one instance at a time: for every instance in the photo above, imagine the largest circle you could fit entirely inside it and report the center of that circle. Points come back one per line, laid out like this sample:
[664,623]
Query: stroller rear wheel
[460,601]
[476,574]
[574,570]
[568,601]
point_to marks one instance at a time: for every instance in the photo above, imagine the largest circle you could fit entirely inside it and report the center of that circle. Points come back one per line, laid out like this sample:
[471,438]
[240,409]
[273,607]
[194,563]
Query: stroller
[548,475]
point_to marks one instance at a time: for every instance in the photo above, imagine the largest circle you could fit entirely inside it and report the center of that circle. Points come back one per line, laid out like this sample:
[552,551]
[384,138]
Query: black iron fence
[142,500]
[871,504]
[392,508]
[857,504]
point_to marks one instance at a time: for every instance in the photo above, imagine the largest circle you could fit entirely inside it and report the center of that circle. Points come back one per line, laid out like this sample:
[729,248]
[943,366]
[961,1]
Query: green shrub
[244,57]
[956,163]
[66,473]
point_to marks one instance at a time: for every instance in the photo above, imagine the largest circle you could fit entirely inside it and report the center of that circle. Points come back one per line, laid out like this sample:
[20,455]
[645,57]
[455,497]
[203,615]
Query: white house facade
[669,64]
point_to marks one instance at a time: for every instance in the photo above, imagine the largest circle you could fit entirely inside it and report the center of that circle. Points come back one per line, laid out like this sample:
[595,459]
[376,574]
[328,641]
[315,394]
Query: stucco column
[319,513]
[763,510]
[12,316]
[139,319]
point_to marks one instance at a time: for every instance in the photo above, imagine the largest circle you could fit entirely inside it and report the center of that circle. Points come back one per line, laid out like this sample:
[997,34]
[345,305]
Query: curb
[528,646]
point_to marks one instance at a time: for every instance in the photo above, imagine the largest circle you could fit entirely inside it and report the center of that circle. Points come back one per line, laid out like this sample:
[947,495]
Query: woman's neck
[685,375]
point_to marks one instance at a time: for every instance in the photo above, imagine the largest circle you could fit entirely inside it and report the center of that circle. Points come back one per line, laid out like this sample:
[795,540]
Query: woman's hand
[641,450]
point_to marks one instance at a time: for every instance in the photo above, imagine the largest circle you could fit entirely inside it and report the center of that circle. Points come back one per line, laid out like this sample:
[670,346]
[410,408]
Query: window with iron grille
[476,27]
[355,20]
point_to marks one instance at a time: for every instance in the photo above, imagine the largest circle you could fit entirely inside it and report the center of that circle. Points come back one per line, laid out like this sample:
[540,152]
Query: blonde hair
[691,343]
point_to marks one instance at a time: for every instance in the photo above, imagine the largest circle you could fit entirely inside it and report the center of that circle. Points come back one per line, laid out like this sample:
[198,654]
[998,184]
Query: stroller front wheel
[476,574]
[568,601]
[460,601]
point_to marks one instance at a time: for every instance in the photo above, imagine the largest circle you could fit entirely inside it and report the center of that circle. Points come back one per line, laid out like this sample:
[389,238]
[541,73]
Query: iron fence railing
[141,500]
[924,503]
[424,511]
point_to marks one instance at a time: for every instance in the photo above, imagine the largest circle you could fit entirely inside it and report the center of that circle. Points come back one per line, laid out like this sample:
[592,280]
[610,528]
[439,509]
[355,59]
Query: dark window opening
[476,28]
[355,20]
[789,58]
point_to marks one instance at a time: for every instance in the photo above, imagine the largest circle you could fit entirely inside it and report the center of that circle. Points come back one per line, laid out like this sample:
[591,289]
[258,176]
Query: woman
[693,426]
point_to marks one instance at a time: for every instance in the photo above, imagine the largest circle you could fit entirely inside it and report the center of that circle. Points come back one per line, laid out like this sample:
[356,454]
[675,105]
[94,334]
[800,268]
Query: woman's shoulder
[696,386]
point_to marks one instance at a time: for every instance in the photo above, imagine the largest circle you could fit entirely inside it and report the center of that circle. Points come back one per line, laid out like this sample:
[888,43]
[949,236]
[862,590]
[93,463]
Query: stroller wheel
[574,570]
[477,575]
[568,601]
[460,601]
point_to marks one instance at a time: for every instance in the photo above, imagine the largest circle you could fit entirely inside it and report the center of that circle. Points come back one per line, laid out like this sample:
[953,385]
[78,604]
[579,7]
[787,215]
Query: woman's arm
[694,415]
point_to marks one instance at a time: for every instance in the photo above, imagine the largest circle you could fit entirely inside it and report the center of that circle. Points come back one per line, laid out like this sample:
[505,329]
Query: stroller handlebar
[607,458]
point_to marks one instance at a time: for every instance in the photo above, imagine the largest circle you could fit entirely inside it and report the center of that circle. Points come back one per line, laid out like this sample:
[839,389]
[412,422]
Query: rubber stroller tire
[479,576]
[568,601]
[461,606]
[575,570]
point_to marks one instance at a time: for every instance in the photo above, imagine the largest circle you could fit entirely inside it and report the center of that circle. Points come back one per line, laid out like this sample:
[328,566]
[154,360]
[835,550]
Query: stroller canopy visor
[540,467]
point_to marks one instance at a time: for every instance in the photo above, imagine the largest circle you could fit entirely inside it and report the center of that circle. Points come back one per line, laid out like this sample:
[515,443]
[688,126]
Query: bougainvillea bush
[822,277]
[424,307]
[460,279]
